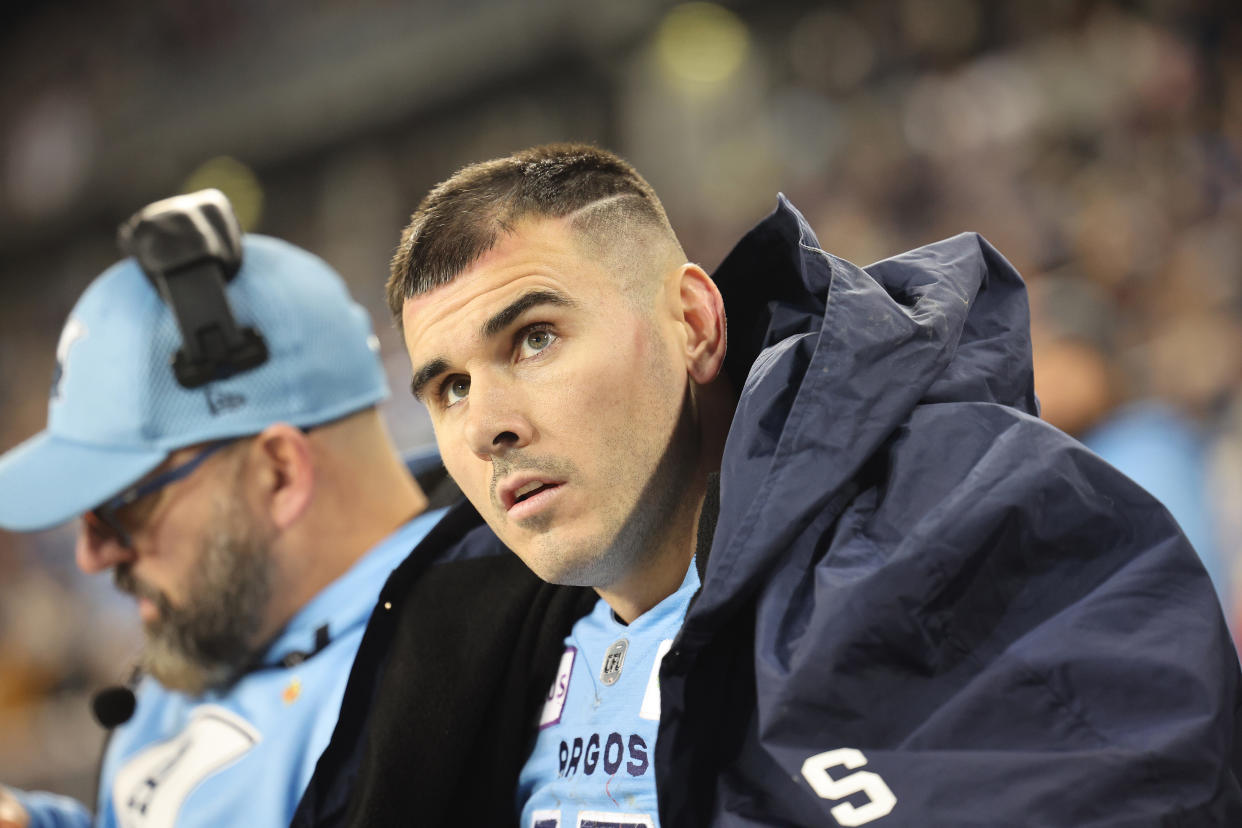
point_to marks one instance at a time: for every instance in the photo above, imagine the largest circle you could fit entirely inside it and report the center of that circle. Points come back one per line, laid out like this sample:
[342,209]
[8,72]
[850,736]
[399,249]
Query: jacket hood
[832,359]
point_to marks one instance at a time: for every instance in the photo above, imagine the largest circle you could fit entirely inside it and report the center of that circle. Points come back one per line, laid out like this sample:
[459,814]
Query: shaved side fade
[609,204]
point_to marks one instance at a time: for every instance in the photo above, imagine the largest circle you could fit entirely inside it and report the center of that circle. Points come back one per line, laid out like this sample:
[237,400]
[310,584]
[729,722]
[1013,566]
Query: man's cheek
[477,491]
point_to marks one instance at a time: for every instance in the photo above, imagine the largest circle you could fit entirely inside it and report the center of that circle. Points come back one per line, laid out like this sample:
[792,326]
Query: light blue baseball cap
[117,410]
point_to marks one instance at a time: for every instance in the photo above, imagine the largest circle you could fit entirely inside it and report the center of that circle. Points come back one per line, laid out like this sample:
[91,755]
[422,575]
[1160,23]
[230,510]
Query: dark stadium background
[1098,145]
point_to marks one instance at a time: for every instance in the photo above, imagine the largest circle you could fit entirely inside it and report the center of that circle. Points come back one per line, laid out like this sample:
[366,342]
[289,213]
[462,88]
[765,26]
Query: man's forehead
[535,257]
[527,242]
[462,306]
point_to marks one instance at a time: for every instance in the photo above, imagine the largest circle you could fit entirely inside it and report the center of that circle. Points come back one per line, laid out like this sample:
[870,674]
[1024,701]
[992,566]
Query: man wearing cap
[215,428]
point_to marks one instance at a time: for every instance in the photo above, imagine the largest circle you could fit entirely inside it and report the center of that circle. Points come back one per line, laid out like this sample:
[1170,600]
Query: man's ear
[284,473]
[703,318]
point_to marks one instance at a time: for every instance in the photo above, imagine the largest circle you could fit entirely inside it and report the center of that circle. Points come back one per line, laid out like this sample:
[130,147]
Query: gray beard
[208,642]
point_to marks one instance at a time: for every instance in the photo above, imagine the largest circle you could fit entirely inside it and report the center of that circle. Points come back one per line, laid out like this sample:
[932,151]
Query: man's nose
[98,551]
[496,422]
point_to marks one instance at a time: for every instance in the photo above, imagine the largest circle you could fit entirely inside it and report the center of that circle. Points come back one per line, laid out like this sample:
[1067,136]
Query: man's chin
[180,672]
[567,563]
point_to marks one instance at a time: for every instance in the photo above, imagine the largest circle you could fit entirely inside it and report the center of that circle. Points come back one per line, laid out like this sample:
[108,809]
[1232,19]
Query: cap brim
[48,480]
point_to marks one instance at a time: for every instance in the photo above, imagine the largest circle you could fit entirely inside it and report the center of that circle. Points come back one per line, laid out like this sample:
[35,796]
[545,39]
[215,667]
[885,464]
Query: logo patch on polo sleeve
[151,787]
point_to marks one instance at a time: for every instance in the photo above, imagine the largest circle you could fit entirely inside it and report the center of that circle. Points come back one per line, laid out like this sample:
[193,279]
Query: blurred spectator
[1082,387]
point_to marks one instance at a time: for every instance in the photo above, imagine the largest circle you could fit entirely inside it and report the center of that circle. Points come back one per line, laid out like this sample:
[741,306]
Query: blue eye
[455,390]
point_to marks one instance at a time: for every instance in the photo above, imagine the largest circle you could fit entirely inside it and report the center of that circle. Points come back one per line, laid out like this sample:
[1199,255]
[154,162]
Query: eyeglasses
[108,514]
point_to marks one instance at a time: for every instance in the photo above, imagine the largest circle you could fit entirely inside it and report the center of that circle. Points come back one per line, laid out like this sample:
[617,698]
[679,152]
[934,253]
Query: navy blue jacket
[921,606]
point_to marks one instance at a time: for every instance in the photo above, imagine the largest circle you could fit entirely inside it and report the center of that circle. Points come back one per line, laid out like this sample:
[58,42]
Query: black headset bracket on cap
[190,248]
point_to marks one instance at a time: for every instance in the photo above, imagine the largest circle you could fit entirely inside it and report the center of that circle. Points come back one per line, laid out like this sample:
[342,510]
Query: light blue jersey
[243,755]
[591,766]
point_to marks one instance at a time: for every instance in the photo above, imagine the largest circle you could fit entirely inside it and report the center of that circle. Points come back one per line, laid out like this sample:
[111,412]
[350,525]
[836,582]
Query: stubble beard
[631,535]
[209,641]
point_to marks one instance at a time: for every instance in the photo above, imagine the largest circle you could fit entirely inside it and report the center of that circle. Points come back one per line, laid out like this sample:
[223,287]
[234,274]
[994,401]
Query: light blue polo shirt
[243,755]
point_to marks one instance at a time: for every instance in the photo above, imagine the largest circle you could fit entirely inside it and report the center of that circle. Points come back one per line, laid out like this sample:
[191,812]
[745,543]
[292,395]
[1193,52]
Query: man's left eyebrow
[426,374]
[519,306]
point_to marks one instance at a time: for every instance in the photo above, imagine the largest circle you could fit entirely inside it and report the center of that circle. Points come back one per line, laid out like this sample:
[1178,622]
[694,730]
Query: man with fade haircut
[841,574]
[213,421]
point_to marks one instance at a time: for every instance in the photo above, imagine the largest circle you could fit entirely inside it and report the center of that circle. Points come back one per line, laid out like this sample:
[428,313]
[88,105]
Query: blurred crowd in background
[1098,145]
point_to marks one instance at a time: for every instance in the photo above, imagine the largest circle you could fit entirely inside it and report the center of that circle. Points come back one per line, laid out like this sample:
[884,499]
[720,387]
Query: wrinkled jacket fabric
[921,606]
[911,565]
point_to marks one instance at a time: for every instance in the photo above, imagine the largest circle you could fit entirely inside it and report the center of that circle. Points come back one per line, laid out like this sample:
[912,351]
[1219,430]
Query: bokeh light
[701,45]
[235,180]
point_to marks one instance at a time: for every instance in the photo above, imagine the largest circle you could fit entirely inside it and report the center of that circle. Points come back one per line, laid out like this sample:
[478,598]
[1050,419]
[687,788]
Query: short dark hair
[462,218]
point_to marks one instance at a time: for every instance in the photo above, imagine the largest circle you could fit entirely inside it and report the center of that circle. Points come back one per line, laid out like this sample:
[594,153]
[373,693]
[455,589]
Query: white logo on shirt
[151,786]
[559,691]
